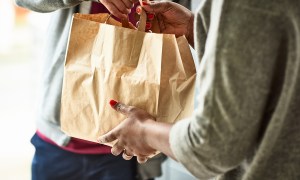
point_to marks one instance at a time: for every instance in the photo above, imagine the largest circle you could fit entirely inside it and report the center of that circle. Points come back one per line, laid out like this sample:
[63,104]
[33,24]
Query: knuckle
[168,3]
[124,10]
[114,11]
[119,148]
[115,151]
[105,2]
[131,109]
[109,138]
[142,159]
[106,139]
[126,157]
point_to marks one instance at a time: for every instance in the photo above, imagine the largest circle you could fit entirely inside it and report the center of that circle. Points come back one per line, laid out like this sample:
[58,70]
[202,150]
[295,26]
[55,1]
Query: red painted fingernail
[150,16]
[113,103]
[145,3]
[148,25]
[138,10]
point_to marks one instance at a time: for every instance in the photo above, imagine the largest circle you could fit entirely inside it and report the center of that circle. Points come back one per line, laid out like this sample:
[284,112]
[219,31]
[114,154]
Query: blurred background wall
[21,35]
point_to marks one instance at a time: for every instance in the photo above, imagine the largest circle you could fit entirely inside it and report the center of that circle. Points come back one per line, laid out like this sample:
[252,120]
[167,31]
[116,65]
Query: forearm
[157,136]
[47,5]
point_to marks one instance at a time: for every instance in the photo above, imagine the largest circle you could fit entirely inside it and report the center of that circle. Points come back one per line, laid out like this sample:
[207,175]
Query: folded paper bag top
[105,61]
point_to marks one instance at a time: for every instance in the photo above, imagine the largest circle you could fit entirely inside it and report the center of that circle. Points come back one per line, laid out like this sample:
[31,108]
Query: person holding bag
[58,156]
[246,126]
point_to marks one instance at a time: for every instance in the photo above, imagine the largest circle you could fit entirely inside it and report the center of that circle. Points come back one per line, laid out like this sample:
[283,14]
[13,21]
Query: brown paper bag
[105,61]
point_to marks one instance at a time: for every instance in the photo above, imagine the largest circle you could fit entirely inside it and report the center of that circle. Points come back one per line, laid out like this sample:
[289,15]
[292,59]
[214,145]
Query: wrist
[156,135]
[147,131]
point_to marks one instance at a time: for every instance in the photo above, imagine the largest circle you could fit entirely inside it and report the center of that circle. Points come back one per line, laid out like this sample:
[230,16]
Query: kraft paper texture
[105,61]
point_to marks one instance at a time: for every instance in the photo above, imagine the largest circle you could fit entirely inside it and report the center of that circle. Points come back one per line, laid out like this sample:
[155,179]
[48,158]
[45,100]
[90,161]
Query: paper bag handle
[142,21]
[125,22]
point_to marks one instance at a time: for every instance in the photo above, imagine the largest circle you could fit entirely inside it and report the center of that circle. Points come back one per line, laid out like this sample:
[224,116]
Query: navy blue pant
[52,163]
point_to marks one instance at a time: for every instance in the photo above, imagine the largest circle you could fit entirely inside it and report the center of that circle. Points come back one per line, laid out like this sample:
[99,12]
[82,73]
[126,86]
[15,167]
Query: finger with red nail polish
[150,16]
[113,103]
[138,10]
[148,25]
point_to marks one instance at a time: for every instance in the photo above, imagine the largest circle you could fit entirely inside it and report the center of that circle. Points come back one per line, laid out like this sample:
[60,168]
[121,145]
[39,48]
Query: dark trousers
[52,163]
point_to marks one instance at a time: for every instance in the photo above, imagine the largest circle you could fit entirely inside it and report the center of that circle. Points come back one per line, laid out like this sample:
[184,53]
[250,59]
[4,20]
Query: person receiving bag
[247,123]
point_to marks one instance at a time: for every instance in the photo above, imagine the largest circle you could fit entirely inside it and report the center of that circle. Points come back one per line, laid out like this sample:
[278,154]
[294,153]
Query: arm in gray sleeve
[235,77]
[47,5]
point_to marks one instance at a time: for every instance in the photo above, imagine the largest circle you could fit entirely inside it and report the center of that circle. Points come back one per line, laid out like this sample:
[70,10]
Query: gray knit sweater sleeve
[47,5]
[236,73]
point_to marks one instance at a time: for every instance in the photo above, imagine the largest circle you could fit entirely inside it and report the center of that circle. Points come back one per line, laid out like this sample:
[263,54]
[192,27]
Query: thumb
[121,108]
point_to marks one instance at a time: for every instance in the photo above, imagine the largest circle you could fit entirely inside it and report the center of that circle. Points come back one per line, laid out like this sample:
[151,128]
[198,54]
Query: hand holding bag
[105,61]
